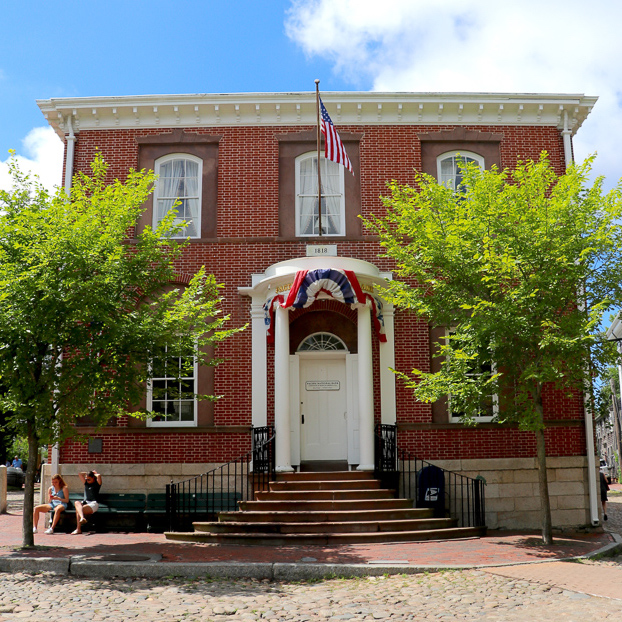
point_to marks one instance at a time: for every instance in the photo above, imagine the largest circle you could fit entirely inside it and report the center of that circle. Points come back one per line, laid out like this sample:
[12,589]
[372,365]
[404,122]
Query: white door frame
[352,431]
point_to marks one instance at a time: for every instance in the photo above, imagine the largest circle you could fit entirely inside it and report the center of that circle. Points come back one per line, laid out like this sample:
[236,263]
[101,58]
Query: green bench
[139,512]
[120,511]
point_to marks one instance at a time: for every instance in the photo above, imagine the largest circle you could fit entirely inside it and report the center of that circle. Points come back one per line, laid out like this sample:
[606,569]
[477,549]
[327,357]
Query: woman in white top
[58,496]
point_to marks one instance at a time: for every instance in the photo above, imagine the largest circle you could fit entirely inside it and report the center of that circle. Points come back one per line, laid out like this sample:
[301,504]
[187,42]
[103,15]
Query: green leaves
[82,305]
[521,264]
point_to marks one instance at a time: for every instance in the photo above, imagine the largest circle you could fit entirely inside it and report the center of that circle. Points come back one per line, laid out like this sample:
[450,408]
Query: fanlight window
[449,167]
[322,342]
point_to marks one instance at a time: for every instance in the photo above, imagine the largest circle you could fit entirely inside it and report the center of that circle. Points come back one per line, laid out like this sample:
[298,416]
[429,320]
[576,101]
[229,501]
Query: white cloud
[43,157]
[564,46]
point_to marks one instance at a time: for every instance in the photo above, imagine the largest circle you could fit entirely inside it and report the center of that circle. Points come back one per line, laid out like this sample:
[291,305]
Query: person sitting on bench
[58,497]
[92,483]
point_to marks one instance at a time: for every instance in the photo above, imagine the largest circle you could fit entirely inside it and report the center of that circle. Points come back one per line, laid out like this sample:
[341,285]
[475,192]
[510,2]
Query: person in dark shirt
[89,505]
[604,487]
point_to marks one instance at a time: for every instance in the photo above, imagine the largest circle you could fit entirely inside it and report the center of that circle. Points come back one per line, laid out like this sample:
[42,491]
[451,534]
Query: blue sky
[134,47]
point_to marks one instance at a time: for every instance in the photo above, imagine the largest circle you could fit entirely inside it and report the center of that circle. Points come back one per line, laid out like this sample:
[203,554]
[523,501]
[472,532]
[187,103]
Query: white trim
[324,163]
[164,160]
[299,109]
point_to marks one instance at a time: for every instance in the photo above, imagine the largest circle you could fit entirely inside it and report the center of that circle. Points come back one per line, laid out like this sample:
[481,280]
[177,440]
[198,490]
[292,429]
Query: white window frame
[174,423]
[452,154]
[156,193]
[479,418]
[342,200]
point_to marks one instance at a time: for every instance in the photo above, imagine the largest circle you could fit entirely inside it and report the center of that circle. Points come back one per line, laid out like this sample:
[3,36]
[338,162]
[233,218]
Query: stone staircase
[325,508]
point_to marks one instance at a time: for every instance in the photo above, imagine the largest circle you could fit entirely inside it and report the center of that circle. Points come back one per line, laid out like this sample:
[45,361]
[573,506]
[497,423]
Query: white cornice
[292,109]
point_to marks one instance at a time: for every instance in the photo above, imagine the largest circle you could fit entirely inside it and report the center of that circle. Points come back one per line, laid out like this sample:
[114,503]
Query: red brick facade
[249,240]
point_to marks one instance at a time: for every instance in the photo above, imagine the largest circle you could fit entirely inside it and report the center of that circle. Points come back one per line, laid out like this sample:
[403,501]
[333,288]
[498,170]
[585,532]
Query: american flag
[334,149]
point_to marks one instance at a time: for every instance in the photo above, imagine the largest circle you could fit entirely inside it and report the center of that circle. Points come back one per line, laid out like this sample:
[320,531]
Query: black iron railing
[449,493]
[220,490]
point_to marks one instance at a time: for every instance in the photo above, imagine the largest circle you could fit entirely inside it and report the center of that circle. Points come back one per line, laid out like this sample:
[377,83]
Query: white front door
[323,406]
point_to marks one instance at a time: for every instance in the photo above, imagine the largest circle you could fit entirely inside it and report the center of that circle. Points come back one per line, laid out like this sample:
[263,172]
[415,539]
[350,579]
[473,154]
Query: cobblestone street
[534,592]
[464,595]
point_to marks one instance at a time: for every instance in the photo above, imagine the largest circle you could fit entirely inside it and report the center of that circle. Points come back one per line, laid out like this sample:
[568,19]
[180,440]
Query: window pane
[185,410]
[164,205]
[331,217]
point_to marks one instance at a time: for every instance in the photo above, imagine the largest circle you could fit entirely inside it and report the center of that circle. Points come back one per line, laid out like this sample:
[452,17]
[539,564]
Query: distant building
[607,428]
[245,166]
[607,443]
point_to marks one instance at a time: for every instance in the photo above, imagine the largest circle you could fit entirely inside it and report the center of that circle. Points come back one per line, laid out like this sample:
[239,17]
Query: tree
[84,309]
[520,265]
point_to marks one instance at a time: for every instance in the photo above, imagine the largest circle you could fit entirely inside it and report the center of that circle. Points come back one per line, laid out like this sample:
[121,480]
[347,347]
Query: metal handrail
[459,496]
[202,497]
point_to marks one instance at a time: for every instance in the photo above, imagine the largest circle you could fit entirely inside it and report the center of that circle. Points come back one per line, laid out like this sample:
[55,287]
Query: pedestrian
[17,463]
[58,497]
[89,505]
[604,487]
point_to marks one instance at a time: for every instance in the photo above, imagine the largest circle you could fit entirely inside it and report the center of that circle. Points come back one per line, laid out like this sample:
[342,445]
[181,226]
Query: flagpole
[319,174]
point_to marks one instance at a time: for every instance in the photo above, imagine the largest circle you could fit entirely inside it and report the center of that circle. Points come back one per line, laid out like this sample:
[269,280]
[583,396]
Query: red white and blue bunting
[309,285]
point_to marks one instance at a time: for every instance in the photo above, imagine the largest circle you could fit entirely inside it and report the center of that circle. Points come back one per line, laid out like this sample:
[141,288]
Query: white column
[281,390]
[387,363]
[55,460]
[259,373]
[567,134]
[366,391]
[71,141]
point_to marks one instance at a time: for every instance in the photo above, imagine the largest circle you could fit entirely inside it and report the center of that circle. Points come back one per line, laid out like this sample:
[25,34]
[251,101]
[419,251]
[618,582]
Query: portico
[323,390]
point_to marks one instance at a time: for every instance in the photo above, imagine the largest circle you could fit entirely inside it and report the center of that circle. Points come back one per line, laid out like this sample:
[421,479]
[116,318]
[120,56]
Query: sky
[135,47]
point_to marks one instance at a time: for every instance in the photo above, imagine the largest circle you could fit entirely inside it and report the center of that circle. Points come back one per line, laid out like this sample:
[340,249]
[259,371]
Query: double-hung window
[179,181]
[489,406]
[449,167]
[333,197]
[172,391]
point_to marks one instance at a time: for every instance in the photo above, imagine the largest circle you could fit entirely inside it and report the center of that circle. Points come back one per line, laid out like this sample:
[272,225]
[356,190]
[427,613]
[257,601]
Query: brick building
[319,372]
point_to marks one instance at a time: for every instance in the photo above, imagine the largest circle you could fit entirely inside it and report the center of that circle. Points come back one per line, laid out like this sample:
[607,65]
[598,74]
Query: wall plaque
[322,385]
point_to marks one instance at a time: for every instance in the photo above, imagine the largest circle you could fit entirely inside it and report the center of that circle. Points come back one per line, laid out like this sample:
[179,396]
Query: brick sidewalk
[587,579]
[496,548]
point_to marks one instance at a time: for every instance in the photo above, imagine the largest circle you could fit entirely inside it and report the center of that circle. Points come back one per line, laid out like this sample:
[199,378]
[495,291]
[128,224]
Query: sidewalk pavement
[104,555]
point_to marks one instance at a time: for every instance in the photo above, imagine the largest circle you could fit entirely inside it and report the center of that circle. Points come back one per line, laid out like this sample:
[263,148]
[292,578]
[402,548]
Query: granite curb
[83,566]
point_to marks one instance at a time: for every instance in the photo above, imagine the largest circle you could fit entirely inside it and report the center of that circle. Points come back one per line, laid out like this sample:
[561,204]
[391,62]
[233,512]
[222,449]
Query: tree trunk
[543,482]
[28,538]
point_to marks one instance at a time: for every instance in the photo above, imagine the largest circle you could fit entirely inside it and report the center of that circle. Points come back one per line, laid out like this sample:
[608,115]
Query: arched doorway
[280,296]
